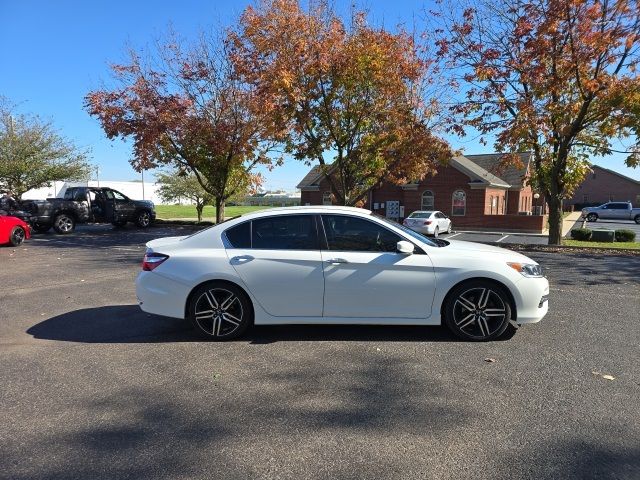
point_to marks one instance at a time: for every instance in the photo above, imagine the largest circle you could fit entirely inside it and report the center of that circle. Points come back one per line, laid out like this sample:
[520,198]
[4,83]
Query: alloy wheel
[479,312]
[17,236]
[144,219]
[64,223]
[218,312]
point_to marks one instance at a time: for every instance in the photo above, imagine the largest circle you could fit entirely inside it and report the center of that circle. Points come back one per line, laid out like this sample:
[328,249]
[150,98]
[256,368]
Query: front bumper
[532,300]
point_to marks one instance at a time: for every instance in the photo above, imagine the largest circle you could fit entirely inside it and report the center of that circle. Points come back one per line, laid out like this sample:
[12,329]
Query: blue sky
[53,52]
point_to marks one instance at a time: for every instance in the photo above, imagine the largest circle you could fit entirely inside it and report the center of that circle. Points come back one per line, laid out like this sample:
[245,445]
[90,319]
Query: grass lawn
[209,212]
[620,245]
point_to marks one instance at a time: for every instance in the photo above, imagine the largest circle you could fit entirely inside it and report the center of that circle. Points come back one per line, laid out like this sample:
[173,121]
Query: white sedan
[428,222]
[336,265]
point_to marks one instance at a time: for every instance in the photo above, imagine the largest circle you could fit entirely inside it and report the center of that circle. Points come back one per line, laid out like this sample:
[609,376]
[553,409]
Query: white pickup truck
[612,211]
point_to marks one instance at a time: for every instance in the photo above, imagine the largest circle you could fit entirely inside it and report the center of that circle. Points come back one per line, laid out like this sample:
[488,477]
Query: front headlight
[527,269]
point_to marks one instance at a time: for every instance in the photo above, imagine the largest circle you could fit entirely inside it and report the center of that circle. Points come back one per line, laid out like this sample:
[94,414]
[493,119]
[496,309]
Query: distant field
[209,212]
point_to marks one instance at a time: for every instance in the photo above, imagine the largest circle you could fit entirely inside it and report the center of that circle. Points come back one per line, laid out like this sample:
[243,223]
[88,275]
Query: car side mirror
[405,247]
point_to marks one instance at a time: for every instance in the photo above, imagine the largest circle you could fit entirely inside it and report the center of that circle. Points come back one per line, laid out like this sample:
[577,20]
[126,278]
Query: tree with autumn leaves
[350,96]
[554,77]
[186,109]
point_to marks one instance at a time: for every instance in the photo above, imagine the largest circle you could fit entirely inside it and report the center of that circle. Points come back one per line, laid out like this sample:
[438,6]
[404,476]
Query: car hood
[164,242]
[472,249]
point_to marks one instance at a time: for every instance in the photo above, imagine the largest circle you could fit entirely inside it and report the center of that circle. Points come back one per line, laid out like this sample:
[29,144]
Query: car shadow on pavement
[128,324]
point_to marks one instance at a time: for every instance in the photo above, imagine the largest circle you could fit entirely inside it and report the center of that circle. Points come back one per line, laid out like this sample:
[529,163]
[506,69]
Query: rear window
[240,235]
[420,215]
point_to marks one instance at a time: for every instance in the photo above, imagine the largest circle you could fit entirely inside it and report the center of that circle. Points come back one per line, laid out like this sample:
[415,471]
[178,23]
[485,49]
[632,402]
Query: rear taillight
[152,260]
[427,222]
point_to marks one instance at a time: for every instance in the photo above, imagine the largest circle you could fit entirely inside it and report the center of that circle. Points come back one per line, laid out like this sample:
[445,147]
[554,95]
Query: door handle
[241,259]
[336,261]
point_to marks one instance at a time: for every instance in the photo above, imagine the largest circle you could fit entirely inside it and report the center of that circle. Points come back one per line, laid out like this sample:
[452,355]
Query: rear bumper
[160,295]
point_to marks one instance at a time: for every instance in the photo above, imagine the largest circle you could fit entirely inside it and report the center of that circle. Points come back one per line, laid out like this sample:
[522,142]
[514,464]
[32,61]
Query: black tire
[477,310]
[592,217]
[436,232]
[17,236]
[209,316]
[41,228]
[143,218]
[637,219]
[64,224]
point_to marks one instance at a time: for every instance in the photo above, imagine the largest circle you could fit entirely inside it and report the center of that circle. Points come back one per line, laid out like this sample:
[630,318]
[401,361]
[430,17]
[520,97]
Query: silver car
[431,222]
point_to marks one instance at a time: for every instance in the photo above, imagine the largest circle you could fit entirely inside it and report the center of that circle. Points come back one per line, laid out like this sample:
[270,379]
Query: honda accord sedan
[336,265]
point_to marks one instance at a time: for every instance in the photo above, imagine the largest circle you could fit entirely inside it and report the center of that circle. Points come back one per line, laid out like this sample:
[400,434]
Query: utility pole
[143,183]
[98,175]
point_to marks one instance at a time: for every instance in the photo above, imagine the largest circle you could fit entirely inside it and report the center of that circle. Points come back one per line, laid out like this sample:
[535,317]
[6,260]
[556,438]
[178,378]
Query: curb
[564,248]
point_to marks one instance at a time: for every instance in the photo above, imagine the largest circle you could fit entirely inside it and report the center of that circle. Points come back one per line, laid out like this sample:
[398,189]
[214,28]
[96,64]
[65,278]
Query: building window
[326,198]
[458,203]
[427,200]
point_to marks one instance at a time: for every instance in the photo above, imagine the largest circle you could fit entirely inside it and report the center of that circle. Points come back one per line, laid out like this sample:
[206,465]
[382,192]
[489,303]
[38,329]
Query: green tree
[33,154]
[179,185]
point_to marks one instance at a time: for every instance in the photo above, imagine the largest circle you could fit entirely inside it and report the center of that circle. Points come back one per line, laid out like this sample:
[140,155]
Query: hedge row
[622,235]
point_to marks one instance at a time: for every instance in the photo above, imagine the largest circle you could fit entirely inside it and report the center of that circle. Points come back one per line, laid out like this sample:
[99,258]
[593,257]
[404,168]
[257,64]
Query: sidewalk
[567,223]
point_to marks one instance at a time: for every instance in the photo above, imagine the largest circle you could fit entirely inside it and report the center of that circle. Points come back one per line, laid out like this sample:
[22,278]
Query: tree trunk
[555,219]
[219,210]
[199,207]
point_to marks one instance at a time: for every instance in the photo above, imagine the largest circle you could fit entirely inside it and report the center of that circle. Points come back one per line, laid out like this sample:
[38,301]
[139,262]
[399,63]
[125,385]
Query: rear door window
[285,232]
[240,235]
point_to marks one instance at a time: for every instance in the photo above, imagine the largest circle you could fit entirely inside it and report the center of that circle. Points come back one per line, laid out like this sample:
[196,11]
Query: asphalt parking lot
[91,387]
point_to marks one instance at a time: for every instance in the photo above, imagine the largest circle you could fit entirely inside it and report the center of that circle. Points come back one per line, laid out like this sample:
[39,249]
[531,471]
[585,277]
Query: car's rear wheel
[478,310]
[17,236]
[592,217]
[64,223]
[143,220]
[220,311]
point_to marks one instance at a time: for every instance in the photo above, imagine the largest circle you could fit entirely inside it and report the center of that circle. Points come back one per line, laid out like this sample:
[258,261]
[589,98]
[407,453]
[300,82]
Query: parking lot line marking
[498,241]
[451,236]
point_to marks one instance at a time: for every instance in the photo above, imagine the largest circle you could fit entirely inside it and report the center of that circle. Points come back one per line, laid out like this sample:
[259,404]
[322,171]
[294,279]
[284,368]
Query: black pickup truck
[88,205]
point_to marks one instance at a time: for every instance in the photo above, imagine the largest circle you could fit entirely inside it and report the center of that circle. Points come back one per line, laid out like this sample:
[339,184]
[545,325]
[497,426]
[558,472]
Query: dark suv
[88,205]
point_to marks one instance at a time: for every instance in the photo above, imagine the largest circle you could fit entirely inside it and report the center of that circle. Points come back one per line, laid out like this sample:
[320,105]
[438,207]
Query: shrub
[625,235]
[581,233]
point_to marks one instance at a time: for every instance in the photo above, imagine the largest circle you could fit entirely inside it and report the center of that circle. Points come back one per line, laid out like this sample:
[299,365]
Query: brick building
[603,185]
[473,190]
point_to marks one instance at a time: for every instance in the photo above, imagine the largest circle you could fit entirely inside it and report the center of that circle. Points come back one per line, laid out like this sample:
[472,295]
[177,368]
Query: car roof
[306,209]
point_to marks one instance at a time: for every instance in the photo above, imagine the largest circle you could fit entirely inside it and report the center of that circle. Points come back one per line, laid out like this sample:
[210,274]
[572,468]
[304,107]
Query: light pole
[98,175]
[143,183]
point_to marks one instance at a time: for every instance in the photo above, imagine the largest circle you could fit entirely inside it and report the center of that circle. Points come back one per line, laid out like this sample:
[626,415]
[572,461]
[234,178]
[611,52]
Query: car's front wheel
[478,310]
[220,311]
[637,219]
[449,228]
[143,220]
[592,217]
[436,232]
[17,236]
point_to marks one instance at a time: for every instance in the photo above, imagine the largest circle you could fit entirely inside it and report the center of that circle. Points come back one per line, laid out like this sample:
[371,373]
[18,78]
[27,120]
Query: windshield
[408,231]
[420,215]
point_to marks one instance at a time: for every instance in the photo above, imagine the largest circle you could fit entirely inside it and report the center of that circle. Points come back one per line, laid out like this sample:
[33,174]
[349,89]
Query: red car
[13,231]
